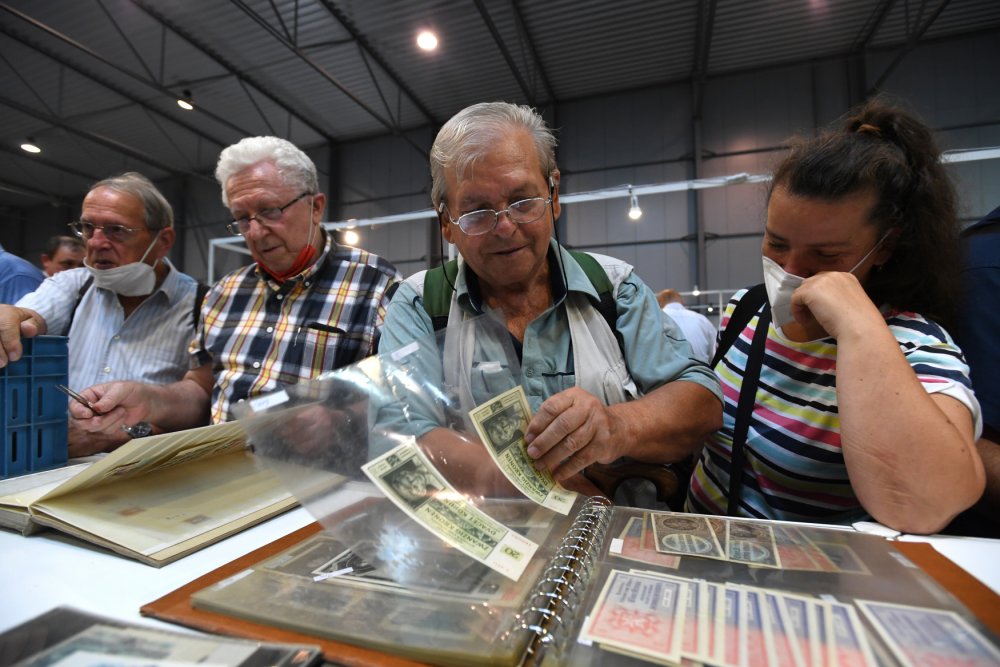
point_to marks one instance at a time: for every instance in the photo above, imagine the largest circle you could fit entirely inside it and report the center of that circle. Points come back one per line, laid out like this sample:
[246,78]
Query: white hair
[294,167]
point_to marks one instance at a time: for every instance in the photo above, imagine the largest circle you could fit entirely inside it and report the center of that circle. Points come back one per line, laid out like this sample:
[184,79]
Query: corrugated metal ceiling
[94,81]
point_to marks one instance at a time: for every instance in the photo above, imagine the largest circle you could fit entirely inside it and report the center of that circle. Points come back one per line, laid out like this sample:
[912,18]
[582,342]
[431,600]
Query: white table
[46,570]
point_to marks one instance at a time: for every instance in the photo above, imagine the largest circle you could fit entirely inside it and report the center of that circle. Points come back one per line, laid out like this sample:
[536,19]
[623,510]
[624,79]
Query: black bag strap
[748,306]
[744,409]
[199,295]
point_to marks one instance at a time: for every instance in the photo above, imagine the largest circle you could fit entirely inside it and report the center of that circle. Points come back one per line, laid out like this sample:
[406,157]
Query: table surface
[49,569]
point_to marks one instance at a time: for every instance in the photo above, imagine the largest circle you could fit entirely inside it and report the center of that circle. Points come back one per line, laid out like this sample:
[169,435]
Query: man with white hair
[306,305]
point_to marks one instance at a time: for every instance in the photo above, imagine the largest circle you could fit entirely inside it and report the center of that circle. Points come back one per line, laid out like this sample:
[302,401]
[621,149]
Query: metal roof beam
[52,165]
[362,41]
[530,44]
[123,70]
[505,52]
[911,43]
[231,68]
[872,25]
[319,69]
[702,49]
[110,86]
[107,142]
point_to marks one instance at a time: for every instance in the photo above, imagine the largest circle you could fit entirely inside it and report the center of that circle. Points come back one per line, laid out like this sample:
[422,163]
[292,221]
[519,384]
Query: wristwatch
[138,430]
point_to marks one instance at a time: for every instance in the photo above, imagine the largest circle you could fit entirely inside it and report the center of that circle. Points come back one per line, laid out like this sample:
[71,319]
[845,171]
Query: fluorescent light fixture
[427,40]
[634,212]
[185,101]
[29,146]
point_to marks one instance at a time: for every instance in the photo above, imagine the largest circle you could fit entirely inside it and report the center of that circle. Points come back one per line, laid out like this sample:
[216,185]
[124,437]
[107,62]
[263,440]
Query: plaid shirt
[260,335]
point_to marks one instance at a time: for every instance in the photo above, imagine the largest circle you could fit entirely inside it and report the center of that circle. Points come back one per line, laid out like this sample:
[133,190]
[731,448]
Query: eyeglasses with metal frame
[240,226]
[482,221]
[114,233]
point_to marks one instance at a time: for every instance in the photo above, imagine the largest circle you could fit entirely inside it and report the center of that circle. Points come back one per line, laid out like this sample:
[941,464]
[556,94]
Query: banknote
[501,423]
[847,644]
[640,613]
[629,545]
[753,543]
[414,485]
[686,535]
[921,636]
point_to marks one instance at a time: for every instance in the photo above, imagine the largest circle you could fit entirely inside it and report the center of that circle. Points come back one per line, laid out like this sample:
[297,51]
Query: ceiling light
[427,40]
[29,146]
[634,212]
[185,101]
[351,237]
[695,291]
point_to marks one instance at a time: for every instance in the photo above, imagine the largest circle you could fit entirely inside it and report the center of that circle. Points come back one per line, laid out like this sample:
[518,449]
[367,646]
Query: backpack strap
[605,291]
[437,293]
[79,297]
[748,306]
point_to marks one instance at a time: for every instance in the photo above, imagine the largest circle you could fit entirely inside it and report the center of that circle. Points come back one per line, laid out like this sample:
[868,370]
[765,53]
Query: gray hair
[294,167]
[158,213]
[470,133]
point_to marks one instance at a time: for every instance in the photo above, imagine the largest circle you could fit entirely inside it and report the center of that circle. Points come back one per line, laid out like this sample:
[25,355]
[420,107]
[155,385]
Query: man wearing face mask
[128,312]
[846,398]
[306,305]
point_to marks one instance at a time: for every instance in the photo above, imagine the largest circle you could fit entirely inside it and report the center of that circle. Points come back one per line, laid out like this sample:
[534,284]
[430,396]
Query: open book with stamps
[466,555]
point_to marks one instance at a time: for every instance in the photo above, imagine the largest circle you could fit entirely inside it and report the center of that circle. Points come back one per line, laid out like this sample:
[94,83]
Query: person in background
[17,277]
[128,313]
[306,305]
[978,328]
[63,253]
[496,190]
[698,329]
[864,407]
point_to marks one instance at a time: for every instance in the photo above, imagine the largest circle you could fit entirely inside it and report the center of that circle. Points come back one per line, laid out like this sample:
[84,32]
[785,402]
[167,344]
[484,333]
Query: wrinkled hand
[833,303]
[571,430]
[84,443]
[14,323]
[120,402]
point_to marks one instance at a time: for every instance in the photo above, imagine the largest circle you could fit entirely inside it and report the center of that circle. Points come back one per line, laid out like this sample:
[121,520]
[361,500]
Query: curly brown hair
[885,149]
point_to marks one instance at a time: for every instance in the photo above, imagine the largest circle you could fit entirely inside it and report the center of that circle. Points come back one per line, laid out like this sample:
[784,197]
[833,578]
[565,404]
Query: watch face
[139,430]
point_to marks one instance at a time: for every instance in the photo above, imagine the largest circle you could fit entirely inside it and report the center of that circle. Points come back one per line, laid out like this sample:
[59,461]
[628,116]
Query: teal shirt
[654,348]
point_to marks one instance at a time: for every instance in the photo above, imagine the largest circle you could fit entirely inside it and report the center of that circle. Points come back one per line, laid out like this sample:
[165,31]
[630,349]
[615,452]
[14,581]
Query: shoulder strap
[199,296]
[605,291]
[744,408]
[79,297]
[437,292]
[748,306]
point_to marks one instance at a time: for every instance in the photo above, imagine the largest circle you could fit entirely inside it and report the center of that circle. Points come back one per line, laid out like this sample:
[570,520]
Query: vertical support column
[701,259]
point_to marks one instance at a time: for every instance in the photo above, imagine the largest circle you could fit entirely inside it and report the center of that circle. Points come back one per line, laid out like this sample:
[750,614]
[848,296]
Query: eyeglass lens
[240,226]
[522,212]
[114,233]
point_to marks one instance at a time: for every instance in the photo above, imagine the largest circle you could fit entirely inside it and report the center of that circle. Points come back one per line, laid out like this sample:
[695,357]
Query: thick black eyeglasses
[264,217]
[113,233]
[481,221]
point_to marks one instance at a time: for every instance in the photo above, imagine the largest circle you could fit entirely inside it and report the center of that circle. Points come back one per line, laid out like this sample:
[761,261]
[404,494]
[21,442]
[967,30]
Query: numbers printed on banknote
[414,485]
[501,423]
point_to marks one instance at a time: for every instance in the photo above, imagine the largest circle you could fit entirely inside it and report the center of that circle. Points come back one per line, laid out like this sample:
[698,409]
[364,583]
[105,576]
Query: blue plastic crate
[33,412]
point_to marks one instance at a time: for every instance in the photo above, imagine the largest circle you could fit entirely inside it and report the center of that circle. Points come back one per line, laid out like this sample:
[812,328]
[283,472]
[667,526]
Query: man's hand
[14,323]
[571,430]
[119,402]
[83,443]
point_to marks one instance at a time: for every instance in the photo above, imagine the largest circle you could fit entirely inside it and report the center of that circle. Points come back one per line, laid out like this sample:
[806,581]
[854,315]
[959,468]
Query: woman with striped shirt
[863,407]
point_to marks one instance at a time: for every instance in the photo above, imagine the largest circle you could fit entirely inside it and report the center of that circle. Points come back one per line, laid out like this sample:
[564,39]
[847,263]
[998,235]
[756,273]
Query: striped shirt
[260,335]
[150,346]
[794,468]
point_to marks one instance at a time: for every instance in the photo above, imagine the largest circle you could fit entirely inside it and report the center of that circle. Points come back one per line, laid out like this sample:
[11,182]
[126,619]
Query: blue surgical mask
[781,284]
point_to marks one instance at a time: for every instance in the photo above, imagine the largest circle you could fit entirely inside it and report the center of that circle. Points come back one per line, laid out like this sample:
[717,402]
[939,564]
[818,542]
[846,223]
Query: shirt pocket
[319,349]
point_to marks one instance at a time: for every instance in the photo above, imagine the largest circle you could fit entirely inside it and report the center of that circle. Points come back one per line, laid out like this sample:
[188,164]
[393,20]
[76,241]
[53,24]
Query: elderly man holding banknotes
[496,193]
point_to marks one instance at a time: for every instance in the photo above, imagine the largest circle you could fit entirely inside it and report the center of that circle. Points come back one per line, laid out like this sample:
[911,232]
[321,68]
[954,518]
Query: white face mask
[780,285]
[135,279]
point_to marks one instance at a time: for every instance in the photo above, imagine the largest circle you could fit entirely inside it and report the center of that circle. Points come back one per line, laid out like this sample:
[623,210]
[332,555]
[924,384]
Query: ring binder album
[572,565]
[396,574]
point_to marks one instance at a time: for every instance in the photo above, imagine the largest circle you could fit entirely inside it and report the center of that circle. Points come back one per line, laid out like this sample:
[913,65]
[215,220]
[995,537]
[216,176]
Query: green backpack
[437,292]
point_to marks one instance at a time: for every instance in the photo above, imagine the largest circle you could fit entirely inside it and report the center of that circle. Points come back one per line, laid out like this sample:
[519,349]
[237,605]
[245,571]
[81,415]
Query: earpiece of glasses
[240,226]
[114,233]
[484,220]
